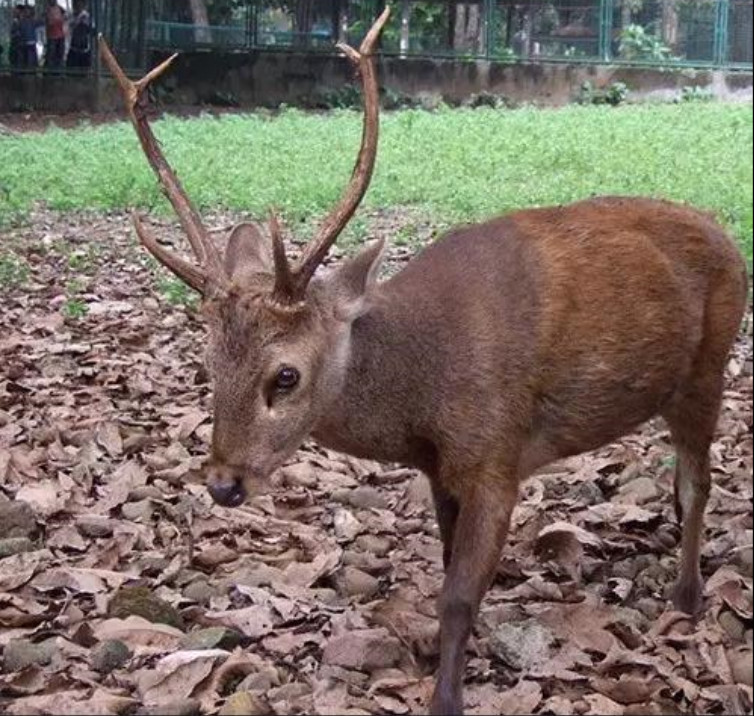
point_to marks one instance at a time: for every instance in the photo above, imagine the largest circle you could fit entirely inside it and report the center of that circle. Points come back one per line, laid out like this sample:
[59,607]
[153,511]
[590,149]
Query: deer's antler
[291,283]
[210,271]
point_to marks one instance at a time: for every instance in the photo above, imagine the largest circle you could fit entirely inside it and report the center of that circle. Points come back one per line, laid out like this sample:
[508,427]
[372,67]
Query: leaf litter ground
[123,589]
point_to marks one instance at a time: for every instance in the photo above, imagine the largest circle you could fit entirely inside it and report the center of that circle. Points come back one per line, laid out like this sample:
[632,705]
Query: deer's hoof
[687,595]
[445,702]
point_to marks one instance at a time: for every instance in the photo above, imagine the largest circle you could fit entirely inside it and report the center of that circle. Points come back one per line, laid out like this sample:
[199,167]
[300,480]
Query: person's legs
[32,59]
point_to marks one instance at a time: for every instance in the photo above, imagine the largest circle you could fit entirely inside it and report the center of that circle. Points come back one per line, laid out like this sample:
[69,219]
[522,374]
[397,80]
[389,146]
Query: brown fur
[501,347]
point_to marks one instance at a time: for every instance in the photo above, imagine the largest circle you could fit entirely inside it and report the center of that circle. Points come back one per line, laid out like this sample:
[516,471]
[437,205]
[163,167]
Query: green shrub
[638,44]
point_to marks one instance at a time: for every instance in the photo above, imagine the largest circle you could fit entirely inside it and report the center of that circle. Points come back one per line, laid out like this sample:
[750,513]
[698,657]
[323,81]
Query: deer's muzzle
[225,485]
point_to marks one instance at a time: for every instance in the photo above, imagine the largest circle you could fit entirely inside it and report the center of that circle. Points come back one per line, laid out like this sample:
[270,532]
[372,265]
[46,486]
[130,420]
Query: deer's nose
[225,486]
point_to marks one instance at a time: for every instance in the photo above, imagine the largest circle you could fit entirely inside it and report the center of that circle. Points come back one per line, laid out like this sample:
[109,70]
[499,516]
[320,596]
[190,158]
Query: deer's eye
[286,379]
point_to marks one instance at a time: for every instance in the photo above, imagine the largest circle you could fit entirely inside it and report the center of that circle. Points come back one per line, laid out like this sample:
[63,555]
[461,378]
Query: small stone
[740,661]
[377,545]
[289,692]
[346,526]
[109,656]
[523,644]
[199,591]
[419,491]
[342,496]
[144,492]
[650,608]
[363,649]
[139,601]
[16,519]
[589,493]
[367,562]
[324,595]
[262,680]
[15,545]
[407,527]
[743,559]
[179,707]
[558,706]
[211,638]
[352,582]
[302,474]
[639,491]
[667,535]
[94,526]
[732,625]
[153,565]
[366,497]
[213,555]
[140,511]
[20,653]
[244,703]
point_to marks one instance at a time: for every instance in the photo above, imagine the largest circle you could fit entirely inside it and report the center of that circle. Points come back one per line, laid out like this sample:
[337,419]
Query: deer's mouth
[227,495]
[225,484]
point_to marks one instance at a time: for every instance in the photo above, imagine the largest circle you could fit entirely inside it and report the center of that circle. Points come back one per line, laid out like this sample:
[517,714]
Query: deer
[499,348]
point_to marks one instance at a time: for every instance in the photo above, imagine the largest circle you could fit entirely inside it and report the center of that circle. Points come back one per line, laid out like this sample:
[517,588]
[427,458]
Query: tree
[303,19]
[200,18]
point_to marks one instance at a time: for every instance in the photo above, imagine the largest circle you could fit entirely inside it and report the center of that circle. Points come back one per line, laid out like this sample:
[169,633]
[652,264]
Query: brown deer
[499,348]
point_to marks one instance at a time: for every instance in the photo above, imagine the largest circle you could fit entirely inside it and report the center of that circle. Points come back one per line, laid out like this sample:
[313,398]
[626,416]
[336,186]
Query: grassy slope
[457,165]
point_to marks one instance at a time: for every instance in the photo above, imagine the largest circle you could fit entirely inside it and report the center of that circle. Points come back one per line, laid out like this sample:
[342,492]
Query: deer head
[279,337]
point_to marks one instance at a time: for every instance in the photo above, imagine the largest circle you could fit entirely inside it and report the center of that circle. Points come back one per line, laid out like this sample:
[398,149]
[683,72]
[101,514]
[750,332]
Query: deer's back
[575,322]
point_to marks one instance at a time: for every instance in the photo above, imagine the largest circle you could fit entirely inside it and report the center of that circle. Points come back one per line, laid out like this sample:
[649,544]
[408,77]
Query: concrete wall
[47,93]
[267,79]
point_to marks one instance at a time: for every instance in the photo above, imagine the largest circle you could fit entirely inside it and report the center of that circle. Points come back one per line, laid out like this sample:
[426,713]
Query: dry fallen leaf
[104,428]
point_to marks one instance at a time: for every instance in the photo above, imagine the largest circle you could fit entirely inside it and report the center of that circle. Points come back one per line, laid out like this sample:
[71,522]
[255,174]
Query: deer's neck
[376,414]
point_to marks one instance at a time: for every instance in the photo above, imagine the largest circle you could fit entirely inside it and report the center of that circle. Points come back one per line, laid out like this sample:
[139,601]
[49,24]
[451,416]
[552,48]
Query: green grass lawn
[457,165]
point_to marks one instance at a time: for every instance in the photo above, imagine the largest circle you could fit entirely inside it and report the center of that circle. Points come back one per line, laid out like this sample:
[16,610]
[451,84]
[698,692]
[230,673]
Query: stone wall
[268,79]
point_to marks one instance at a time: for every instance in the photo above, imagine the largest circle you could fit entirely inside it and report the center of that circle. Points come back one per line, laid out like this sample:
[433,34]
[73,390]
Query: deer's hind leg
[692,487]
[692,416]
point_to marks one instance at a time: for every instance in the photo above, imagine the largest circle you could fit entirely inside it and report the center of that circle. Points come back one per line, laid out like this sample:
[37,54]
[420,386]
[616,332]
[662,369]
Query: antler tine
[192,275]
[284,285]
[336,221]
[205,251]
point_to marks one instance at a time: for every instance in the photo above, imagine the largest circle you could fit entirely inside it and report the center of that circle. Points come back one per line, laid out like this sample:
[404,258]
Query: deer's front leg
[446,509]
[480,531]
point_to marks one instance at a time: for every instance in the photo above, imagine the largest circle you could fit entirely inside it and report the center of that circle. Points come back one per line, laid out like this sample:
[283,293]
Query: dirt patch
[22,122]
[122,586]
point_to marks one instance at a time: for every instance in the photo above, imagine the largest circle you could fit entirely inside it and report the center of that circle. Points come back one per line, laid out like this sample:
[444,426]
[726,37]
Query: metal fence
[698,33]
[652,32]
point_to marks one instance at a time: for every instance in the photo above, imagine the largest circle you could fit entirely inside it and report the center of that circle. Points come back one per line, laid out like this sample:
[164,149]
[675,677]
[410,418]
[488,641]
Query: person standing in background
[27,34]
[55,31]
[14,49]
[80,32]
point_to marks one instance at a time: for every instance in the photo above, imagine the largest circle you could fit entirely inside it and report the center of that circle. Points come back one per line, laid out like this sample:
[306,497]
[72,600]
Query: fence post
[720,47]
[489,28]
[606,30]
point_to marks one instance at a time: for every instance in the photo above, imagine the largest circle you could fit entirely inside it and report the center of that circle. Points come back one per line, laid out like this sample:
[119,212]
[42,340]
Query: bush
[638,44]
[613,95]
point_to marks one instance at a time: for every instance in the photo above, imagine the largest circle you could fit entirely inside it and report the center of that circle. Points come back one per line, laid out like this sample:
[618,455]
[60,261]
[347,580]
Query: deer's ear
[351,283]
[248,252]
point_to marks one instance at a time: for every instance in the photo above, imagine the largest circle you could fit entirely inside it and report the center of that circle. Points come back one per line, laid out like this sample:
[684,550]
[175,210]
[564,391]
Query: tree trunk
[452,13]
[670,24]
[468,34]
[303,19]
[200,18]
[405,27]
